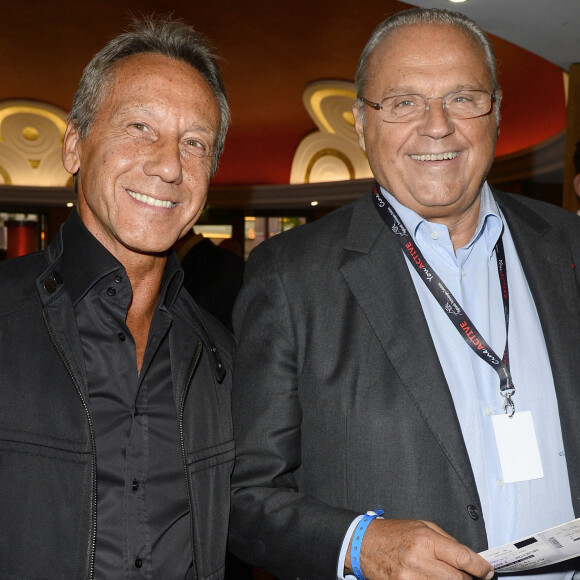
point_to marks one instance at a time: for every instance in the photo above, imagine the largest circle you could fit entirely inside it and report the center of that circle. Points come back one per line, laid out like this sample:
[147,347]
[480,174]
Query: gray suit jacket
[340,404]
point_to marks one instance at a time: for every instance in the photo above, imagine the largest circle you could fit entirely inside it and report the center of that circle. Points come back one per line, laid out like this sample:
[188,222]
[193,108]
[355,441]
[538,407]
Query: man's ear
[576,183]
[70,148]
[358,125]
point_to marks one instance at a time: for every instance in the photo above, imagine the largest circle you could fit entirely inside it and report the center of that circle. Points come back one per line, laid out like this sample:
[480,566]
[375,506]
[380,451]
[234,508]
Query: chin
[148,248]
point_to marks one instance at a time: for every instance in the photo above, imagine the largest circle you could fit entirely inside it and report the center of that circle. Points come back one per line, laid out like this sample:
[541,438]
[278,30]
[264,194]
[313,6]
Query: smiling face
[435,166]
[144,168]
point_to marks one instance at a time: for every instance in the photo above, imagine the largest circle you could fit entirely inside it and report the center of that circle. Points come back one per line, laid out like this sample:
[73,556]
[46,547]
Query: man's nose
[436,122]
[164,161]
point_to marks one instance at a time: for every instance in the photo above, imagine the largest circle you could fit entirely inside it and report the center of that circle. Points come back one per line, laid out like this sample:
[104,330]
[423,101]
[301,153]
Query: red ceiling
[271,51]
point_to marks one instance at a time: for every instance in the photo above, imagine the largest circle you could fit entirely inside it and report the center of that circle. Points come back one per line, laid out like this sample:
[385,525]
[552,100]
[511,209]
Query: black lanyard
[447,301]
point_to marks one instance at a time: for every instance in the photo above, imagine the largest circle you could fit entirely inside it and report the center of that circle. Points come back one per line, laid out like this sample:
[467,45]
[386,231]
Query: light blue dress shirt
[510,510]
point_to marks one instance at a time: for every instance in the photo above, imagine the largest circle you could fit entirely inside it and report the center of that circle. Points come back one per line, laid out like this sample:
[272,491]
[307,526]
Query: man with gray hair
[116,442]
[380,412]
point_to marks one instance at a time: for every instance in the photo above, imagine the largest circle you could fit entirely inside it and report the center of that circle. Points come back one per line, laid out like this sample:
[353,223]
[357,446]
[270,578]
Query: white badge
[517,447]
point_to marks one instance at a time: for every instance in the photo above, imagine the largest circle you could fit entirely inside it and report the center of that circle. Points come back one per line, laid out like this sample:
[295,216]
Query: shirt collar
[85,261]
[172,280]
[489,224]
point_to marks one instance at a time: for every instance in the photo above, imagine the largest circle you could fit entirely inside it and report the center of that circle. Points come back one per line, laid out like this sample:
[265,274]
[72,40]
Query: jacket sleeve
[273,524]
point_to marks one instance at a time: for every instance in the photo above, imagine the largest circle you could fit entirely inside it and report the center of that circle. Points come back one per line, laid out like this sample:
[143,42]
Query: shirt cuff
[342,557]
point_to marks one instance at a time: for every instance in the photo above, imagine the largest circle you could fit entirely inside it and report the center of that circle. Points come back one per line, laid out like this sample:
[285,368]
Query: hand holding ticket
[541,549]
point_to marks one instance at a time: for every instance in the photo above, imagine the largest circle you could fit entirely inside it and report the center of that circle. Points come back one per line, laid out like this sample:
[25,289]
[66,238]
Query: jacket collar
[80,260]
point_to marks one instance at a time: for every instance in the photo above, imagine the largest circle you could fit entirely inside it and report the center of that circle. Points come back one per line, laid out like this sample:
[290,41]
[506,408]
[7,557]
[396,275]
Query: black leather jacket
[48,512]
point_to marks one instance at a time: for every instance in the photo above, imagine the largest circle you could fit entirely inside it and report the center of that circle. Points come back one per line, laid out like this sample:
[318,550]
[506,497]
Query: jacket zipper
[93,443]
[190,374]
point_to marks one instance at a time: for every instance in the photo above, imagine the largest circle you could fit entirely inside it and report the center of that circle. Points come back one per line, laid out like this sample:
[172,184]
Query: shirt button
[111,291]
[463,272]
[500,482]
[118,279]
[135,485]
[434,236]
[122,336]
[489,411]
[138,563]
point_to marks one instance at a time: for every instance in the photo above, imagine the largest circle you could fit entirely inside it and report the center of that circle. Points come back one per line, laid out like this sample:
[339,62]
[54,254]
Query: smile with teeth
[150,200]
[436,156]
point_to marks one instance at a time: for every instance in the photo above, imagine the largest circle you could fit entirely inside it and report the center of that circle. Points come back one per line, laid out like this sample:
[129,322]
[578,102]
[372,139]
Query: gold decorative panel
[31,134]
[331,153]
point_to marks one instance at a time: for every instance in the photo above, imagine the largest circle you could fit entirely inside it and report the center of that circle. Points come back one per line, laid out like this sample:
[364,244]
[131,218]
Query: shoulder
[539,217]
[204,323]
[547,211]
[331,226]
[310,243]
[18,277]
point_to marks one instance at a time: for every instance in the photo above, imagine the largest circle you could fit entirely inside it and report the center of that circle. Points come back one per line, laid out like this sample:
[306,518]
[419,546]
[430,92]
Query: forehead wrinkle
[402,67]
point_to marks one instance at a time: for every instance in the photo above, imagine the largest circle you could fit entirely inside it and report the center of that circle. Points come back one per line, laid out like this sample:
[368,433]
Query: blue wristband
[357,538]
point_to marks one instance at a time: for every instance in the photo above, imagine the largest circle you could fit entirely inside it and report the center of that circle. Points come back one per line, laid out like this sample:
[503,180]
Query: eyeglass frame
[379,106]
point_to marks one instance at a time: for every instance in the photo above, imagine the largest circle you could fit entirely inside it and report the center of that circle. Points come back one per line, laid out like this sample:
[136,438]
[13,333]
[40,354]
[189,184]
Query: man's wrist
[357,538]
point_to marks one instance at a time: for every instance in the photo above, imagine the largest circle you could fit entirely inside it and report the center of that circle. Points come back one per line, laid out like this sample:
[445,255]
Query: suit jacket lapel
[550,273]
[376,272]
[548,265]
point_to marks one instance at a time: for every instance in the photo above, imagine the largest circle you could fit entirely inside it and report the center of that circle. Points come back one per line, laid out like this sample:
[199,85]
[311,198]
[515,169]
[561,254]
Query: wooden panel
[570,199]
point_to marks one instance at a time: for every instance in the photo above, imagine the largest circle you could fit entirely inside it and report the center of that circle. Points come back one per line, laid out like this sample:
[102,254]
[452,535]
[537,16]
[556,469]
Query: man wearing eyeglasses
[406,384]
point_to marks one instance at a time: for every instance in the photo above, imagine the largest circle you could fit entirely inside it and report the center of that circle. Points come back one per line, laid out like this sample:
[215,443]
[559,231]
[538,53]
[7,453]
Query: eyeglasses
[467,104]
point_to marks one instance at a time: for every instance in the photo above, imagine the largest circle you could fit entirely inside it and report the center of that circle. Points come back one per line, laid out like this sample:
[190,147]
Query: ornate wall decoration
[331,153]
[31,135]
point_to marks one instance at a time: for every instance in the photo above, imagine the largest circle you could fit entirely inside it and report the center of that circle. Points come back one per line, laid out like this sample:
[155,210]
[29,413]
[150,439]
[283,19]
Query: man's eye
[199,147]
[402,103]
[139,126]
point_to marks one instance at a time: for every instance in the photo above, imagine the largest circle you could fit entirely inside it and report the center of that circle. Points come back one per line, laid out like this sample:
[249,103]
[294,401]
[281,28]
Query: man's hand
[415,549]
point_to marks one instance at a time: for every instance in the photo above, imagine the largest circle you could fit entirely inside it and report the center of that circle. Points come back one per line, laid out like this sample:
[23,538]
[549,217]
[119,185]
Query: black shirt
[142,508]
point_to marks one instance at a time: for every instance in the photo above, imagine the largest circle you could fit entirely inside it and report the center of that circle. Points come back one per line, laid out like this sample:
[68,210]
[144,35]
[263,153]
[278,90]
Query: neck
[460,235]
[461,227]
[146,287]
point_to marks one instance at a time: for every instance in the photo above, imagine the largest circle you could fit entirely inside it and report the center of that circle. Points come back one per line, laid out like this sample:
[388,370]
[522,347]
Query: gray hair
[164,36]
[428,16]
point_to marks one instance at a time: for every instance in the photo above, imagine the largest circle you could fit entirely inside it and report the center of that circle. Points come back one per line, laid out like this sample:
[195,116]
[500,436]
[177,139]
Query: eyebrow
[132,108]
[149,112]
